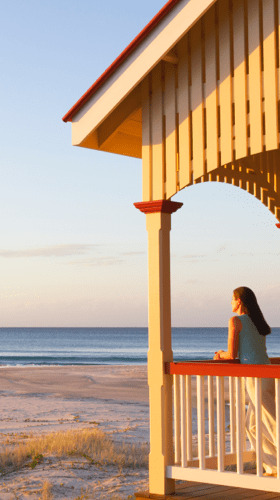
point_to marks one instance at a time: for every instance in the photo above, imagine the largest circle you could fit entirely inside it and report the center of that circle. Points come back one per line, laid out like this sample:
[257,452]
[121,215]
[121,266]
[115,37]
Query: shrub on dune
[92,444]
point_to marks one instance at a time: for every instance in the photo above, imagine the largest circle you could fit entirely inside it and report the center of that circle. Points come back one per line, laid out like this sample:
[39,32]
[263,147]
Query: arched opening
[221,238]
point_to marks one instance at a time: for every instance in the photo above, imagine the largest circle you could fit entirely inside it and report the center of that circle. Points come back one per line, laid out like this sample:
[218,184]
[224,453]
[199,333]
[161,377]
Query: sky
[73,248]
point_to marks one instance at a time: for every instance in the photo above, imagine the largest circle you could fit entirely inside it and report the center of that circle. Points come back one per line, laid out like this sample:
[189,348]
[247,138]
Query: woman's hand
[218,354]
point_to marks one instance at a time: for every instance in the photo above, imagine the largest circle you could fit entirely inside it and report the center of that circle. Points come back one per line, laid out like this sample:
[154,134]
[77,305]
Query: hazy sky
[73,249]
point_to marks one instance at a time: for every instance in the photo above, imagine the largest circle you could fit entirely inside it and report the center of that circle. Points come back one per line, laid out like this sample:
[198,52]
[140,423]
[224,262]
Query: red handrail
[230,368]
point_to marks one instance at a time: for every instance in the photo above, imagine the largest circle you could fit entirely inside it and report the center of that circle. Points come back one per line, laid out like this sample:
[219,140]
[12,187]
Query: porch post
[158,220]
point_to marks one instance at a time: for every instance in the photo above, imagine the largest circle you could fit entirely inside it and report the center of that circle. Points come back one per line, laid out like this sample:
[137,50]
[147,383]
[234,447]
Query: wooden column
[158,218]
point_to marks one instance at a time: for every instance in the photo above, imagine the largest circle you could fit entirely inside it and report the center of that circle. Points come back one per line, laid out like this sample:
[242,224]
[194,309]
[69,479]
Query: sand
[39,400]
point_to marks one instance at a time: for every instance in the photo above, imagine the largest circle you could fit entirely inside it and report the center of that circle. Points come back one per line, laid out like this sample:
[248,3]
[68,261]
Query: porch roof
[113,103]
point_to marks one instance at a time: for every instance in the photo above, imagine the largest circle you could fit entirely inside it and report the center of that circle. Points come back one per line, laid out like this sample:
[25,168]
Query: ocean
[113,346]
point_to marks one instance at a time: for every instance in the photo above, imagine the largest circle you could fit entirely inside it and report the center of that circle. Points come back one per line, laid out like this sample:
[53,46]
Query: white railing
[209,409]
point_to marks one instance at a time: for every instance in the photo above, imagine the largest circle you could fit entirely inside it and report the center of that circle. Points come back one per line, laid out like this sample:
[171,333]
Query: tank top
[252,345]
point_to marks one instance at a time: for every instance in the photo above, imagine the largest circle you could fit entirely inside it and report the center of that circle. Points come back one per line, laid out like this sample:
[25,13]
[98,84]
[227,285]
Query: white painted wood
[240,79]
[269,76]
[210,91]
[230,459]
[211,419]
[201,421]
[146,141]
[199,469]
[243,410]
[137,65]
[170,131]
[183,109]
[250,481]
[225,85]
[189,416]
[239,430]
[254,77]
[197,105]
[183,420]
[232,420]
[258,415]
[277,401]
[157,135]
[220,422]
[177,450]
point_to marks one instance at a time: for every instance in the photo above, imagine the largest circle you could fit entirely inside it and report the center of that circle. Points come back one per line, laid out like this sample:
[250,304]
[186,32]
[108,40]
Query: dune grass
[91,444]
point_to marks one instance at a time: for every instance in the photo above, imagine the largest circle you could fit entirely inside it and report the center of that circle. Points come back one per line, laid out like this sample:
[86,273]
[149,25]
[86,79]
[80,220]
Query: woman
[247,341]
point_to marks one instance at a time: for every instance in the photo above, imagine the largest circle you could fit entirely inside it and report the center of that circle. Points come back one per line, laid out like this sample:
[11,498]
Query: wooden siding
[212,114]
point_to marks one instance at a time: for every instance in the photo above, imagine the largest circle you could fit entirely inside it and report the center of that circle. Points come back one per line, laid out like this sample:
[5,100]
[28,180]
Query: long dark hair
[248,299]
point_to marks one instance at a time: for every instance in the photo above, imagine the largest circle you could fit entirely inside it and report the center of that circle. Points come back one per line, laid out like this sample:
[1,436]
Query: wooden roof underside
[197,100]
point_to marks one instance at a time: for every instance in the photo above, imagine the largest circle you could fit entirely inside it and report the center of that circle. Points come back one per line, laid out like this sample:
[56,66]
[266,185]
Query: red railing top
[222,368]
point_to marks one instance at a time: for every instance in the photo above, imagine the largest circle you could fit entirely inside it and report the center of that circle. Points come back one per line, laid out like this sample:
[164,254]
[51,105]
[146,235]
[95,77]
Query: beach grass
[92,444]
[47,491]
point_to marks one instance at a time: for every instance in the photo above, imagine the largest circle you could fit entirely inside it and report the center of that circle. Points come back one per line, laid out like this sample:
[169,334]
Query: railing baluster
[183,419]
[277,401]
[258,416]
[239,427]
[177,419]
[232,415]
[201,421]
[220,423]
[243,414]
[189,417]
[201,464]
[211,427]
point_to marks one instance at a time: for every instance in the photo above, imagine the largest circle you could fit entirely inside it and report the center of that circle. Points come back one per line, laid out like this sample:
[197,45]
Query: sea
[109,346]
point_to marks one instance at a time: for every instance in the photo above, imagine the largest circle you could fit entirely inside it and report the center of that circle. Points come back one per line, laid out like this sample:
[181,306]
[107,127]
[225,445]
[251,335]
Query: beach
[39,400]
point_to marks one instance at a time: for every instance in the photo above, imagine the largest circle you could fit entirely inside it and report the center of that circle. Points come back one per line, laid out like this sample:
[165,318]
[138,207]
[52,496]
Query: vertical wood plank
[255,77]
[189,417]
[243,407]
[197,102]
[278,57]
[211,426]
[239,428]
[220,423]
[240,80]
[258,408]
[277,401]
[183,419]
[210,89]
[276,176]
[225,86]
[270,76]
[201,421]
[157,135]
[170,128]
[232,416]
[183,109]
[177,454]
[146,142]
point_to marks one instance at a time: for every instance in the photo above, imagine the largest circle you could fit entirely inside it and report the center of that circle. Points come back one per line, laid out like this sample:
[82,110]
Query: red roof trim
[129,49]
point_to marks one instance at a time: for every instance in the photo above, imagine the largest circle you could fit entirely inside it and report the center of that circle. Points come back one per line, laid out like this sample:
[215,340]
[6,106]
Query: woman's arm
[234,328]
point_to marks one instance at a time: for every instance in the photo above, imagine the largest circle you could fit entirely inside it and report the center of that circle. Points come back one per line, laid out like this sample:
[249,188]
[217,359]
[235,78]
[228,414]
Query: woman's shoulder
[235,323]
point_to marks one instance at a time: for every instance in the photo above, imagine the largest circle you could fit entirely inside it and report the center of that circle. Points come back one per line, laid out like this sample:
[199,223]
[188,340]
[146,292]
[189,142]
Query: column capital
[155,206]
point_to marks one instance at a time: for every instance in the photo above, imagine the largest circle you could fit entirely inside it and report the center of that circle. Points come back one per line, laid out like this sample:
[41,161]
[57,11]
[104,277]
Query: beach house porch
[196,96]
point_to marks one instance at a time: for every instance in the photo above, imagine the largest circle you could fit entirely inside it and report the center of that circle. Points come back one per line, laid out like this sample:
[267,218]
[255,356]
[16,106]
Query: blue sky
[73,249]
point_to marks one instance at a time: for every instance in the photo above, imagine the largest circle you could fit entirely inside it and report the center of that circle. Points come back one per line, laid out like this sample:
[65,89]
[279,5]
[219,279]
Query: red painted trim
[122,57]
[278,225]
[223,369]
[164,206]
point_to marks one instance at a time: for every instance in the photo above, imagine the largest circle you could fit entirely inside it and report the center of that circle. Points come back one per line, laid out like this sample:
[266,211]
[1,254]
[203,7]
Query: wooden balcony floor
[202,491]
